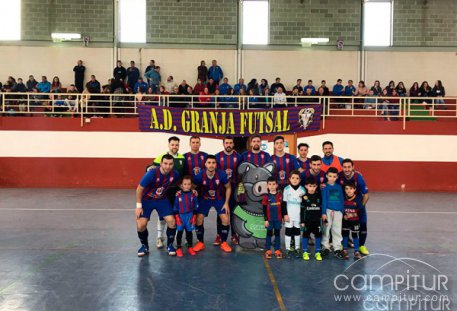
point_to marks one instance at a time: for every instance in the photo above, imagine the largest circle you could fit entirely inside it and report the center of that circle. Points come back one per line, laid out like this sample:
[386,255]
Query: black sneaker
[325,252]
[339,254]
[289,254]
[298,254]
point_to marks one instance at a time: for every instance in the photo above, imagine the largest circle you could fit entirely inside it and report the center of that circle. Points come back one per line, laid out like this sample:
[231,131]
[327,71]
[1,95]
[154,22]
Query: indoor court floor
[75,249]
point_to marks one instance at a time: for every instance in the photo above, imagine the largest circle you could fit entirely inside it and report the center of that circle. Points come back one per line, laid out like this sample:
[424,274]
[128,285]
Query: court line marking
[132,209]
[282,307]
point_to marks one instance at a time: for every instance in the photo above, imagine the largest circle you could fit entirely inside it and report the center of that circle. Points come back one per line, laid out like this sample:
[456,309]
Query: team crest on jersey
[228,172]
[159,191]
[305,117]
[322,180]
[212,193]
[196,170]
[287,160]
[282,175]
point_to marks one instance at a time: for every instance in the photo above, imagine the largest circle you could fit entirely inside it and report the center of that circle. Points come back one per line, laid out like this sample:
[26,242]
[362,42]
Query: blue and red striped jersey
[186,202]
[258,159]
[284,165]
[352,208]
[306,165]
[156,184]
[357,179]
[212,188]
[321,178]
[194,163]
[229,164]
[272,206]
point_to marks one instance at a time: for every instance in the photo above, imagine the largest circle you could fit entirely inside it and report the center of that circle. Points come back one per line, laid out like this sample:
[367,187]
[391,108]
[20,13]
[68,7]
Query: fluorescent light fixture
[314,40]
[58,36]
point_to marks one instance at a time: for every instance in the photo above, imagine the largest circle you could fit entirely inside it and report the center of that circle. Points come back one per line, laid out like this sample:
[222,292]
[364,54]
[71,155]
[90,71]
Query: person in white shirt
[292,198]
[279,99]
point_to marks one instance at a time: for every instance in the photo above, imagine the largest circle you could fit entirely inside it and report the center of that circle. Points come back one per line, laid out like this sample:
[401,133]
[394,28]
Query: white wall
[20,61]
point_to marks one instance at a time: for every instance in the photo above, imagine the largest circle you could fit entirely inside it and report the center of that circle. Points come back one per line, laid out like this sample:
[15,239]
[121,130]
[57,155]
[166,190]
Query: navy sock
[200,231]
[143,236]
[179,239]
[171,232]
[345,242]
[224,232]
[318,244]
[219,225]
[277,239]
[363,233]
[189,237]
[356,244]
[304,244]
[268,242]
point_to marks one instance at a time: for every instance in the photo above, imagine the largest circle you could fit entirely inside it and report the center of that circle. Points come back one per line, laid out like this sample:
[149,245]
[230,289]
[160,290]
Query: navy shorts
[162,206]
[205,205]
[186,222]
[274,224]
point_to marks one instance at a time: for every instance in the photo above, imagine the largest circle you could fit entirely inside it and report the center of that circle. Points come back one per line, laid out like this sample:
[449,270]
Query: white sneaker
[159,242]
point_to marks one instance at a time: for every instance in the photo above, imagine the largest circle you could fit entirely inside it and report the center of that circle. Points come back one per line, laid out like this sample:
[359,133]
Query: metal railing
[125,105]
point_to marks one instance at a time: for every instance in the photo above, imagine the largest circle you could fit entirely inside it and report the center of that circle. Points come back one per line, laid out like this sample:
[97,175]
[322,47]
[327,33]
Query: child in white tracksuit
[292,198]
[332,213]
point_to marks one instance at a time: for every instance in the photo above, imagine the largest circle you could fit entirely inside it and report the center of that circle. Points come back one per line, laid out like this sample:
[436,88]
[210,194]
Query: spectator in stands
[133,74]
[44,86]
[240,86]
[56,86]
[279,99]
[202,72]
[275,86]
[199,87]
[151,66]
[254,86]
[349,90]
[10,84]
[326,91]
[140,86]
[401,90]
[224,87]
[293,98]
[361,90]
[338,88]
[438,91]
[70,101]
[162,91]
[266,100]
[376,88]
[120,71]
[169,84]
[204,99]
[425,91]
[31,83]
[390,88]
[230,101]
[93,86]
[299,87]
[154,79]
[79,71]
[414,91]
[311,87]
[19,87]
[370,101]
[253,100]
[263,85]
[182,89]
[190,90]
[309,92]
[212,86]
[215,72]
[117,86]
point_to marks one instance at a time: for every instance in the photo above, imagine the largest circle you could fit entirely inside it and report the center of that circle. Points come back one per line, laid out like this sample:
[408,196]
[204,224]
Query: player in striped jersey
[284,162]
[178,164]
[214,191]
[185,209]
[151,194]
[349,175]
[315,172]
[195,159]
[255,155]
[228,161]
[303,159]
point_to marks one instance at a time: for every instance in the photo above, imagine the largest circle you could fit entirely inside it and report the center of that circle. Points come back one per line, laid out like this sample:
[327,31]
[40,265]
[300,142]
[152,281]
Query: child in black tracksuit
[310,216]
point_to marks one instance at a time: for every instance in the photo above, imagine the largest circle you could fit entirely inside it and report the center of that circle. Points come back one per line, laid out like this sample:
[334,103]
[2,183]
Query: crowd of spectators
[213,88]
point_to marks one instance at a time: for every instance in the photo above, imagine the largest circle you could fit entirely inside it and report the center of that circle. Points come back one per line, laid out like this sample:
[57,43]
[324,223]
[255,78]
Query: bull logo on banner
[249,222]
[305,117]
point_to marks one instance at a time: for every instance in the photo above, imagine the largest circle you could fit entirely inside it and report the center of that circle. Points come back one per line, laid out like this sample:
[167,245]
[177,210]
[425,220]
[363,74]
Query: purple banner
[210,122]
